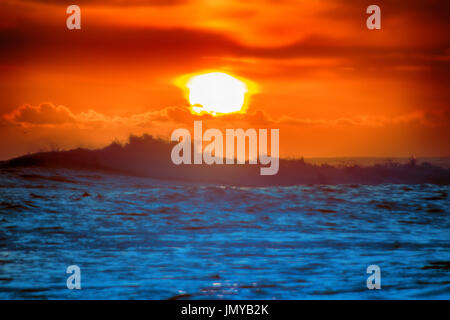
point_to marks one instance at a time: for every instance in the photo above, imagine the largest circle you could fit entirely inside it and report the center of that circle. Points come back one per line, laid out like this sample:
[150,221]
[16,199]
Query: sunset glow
[333,87]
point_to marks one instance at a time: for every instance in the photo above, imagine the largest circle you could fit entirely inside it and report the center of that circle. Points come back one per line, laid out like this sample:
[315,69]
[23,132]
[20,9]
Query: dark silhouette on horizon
[147,156]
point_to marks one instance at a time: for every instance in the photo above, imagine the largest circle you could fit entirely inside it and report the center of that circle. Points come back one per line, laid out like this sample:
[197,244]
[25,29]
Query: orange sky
[332,87]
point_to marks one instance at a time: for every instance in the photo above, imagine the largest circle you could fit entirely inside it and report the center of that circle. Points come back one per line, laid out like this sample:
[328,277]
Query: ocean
[141,238]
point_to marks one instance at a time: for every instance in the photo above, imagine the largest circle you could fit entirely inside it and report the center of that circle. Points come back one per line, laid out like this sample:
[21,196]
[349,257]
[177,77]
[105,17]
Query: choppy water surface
[144,239]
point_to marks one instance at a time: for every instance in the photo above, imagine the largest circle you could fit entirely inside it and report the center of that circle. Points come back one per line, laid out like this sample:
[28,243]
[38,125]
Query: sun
[216,93]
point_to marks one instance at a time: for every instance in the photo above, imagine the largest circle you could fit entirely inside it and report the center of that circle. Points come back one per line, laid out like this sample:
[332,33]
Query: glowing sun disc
[216,93]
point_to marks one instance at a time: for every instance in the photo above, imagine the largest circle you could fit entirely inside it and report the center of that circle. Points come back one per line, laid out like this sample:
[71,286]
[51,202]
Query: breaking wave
[149,157]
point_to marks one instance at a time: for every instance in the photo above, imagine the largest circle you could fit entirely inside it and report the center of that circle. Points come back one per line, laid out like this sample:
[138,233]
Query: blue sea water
[138,238]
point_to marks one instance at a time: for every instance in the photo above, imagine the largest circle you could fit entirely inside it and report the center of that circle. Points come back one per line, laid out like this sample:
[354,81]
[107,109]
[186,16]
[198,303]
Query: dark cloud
[422,9]
[174,46]
[31,42]
[97,44]
[43,114]
[48,114]
[34,41]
